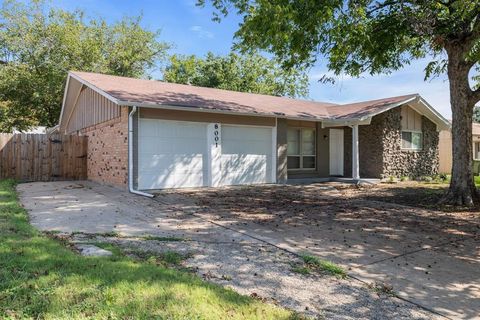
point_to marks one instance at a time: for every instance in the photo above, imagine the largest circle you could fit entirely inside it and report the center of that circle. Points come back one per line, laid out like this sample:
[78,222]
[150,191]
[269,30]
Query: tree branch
[475,96]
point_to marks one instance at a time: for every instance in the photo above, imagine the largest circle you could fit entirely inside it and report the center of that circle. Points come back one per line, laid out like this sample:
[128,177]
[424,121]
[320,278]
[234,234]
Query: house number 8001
[216,133]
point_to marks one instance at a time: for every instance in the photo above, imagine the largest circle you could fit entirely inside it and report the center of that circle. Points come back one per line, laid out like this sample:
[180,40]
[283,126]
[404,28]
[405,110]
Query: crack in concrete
[418,250]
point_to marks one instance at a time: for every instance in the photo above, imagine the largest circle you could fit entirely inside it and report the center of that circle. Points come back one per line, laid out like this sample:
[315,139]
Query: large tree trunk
[462,191]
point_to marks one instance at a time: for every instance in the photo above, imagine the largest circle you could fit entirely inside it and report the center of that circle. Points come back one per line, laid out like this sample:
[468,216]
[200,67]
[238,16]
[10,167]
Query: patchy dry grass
[314,264]
[164,239]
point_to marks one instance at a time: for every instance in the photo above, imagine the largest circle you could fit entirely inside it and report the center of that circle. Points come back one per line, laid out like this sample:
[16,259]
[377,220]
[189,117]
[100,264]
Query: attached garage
[186,154]
[171,154]
[246,155]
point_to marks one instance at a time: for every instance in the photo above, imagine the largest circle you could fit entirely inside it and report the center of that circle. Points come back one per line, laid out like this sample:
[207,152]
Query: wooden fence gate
[43,157]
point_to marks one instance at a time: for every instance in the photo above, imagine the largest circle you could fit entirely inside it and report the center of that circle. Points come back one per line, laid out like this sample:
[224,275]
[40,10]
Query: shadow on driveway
[430,258]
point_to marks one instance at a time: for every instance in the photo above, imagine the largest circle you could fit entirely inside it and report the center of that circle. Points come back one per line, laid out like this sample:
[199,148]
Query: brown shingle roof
[140,92]
[367,108]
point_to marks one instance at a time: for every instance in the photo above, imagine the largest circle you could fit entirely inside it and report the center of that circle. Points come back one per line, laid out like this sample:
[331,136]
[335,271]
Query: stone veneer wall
[107,159]
[380,148]
[398,162]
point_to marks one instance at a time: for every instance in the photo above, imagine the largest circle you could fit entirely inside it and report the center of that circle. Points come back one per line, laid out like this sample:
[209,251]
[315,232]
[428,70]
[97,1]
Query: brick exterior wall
[380,149]
[107,159]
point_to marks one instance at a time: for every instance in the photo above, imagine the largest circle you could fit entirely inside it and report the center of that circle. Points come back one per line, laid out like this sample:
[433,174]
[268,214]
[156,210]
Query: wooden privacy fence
[43,157]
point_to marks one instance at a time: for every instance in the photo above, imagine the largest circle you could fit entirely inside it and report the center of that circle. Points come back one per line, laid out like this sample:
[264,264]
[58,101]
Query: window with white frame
[412,140]
[301,148]
[476,151]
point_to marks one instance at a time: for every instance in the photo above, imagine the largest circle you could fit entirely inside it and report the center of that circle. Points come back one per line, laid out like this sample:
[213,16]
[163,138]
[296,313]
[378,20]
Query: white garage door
[171,154]
[246,155]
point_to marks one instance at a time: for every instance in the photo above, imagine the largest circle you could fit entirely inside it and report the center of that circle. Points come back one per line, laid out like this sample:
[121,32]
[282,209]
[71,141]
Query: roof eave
[207,110]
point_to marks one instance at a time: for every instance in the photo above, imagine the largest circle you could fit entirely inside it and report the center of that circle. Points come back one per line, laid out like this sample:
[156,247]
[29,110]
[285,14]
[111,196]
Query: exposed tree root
[461,198]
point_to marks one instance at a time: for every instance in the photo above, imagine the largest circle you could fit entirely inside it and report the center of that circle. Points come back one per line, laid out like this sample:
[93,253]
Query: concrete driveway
[430,259]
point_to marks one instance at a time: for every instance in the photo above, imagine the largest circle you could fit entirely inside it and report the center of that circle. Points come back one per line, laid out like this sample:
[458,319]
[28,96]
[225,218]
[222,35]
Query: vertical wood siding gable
[411,120]
[91,109]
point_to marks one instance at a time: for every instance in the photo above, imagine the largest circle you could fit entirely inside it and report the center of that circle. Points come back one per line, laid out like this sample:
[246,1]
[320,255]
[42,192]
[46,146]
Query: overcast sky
[191,30]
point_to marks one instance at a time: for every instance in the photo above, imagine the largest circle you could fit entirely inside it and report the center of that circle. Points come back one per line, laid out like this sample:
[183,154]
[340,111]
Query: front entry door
[336,152]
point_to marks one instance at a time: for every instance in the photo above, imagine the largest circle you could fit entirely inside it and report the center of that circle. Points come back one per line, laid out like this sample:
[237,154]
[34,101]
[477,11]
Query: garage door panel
[148,128]
[244,147]
[244,169]
[172,146]
[241,133]
[246,155]
[190,145]
[188,163]
[152,180]
[190,131]
[188,180]
[159,162]
[171,154]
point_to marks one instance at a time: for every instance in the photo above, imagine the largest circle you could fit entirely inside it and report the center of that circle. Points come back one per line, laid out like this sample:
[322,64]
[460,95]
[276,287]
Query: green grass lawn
[41,278]
[477,181]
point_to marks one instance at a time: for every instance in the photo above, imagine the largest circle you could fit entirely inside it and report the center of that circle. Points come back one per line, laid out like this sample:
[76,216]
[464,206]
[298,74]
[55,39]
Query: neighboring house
[445,148]
[187,136]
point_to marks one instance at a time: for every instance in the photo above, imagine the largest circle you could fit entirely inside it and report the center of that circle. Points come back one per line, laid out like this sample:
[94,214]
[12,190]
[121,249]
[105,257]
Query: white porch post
[355,159]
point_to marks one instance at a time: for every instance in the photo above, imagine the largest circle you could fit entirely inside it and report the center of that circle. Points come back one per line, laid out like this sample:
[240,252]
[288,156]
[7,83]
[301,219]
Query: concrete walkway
[257,255]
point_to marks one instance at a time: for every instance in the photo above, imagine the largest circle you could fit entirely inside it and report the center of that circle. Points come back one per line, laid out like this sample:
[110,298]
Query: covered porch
[311,152]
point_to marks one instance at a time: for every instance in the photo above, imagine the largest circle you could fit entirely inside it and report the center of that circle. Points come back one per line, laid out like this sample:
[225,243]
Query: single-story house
[445,148]
[153,135]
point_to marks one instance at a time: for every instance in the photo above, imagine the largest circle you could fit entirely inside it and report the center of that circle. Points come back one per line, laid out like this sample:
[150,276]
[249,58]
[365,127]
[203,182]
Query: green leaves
[354,36]
[246,73]
[39,45]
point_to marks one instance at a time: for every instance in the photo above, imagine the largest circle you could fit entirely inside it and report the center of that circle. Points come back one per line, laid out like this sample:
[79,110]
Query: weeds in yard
[165,239]
[40,278]
[109,234]
[382,288]
[324,265]
[311,263]
[226,277]
[167,258]
[301,269]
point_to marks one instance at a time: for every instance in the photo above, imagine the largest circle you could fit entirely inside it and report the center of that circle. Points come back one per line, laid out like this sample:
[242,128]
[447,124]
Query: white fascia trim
[197,109]
[64,98]
[343,123]
[444,121]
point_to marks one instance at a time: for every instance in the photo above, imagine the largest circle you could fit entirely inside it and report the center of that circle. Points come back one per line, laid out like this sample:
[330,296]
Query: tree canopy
[372,36]
[355,36]
[39,45]
[247,73]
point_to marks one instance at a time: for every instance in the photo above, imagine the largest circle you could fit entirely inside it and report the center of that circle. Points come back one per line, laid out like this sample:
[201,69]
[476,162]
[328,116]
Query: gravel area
[265,272]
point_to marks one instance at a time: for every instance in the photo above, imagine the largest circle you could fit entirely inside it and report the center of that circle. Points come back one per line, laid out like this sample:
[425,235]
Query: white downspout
[130,156]
[355,157]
